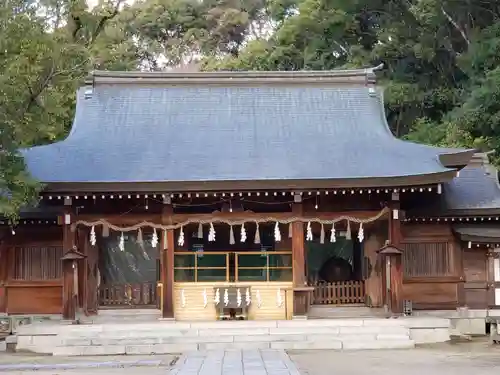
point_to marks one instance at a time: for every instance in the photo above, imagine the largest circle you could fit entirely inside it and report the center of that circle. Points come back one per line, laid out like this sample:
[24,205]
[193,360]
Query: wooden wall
[475,263]
[30,272]
[373,269]
[195,310]
[432,265]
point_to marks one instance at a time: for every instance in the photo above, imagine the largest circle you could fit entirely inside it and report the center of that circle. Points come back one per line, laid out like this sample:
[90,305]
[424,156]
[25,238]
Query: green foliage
[442,60]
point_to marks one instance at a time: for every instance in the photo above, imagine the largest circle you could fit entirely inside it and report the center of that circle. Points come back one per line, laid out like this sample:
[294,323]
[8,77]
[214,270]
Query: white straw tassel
[205,298]
[121,244]
[238,297]
[154,239]
[243,233]
[309,234]
[279,298]
[180,240]
[217,297]
[231,235]
[277,233]
[257,235]
[248,298]
[333,237]
[259,299]
[348,233]
[211,233]
[93,239]
[183,298]
[361,233]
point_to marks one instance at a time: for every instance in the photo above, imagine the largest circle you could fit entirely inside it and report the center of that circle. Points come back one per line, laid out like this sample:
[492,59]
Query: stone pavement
[476,358]
[236,362]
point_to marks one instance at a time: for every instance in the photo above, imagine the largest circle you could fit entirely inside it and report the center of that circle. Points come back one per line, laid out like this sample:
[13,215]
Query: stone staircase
[177,337]
[122,316]
[348,311]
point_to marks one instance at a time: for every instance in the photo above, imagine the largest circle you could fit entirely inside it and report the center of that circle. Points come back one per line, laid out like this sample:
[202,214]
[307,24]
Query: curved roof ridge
[448,157]
[363,75]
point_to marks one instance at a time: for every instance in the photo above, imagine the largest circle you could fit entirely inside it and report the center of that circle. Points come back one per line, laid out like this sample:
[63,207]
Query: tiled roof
[475,192]
[202,132]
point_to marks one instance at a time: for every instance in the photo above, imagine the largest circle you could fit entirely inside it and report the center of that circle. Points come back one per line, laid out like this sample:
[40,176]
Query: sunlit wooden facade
[259,225]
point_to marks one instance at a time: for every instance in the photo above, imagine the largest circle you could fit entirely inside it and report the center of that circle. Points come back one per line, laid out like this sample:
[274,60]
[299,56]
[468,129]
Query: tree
[47,48]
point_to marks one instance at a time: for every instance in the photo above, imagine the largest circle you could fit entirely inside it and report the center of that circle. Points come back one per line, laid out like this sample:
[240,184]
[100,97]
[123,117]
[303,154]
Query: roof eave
[457,159]
[374,182]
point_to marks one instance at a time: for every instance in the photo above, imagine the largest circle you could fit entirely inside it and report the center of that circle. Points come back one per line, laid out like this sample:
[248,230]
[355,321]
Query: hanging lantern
[309,234]
[180,240]
[226,297]
[277,233]
[290,230]
[93,239]
[322,234]
[154,239]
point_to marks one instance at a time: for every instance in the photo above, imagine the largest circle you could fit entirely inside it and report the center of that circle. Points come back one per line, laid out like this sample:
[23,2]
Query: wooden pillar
[68,299]
[298,251]
[301,292]
[394,264]
[4,263]
[167,263]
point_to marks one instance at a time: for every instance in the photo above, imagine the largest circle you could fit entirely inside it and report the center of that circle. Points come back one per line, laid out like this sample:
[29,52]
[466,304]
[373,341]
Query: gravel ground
[477,358]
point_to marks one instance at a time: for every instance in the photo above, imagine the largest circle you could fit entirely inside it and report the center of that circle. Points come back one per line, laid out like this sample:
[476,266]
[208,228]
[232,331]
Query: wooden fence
[339,293]
[128,295]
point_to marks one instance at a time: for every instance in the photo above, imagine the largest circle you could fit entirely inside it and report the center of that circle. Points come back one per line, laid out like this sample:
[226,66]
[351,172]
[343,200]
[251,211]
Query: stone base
[299,317]
[170,337]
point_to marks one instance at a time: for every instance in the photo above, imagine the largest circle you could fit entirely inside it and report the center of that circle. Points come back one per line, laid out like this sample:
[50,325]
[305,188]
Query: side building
[236,195]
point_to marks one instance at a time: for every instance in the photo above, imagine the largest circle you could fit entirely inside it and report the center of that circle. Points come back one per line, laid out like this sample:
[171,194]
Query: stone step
[288,343]
[329,312]
[173,337]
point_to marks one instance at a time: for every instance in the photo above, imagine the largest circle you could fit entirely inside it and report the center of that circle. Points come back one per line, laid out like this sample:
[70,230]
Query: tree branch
[456,26]
[102,22]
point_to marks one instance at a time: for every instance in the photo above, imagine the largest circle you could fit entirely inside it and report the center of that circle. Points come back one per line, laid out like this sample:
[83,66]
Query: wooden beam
[167,266]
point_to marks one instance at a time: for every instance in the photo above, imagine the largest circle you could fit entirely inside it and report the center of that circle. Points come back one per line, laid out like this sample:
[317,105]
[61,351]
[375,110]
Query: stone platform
[166,337]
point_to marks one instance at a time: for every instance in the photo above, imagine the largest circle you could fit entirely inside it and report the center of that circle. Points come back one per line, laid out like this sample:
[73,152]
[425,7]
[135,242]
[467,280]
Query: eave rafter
[228,194]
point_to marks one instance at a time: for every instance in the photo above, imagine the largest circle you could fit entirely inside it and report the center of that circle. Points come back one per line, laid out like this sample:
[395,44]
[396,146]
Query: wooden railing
[339,293]
[233,266]
[144,294]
